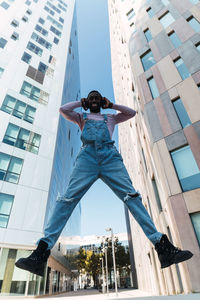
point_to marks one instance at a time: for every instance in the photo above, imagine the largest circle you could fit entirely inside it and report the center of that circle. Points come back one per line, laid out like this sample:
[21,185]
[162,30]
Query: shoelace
[170,248]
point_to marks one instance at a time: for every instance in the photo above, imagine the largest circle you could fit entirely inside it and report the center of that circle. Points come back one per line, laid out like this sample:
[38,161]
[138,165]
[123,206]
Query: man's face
[94,100]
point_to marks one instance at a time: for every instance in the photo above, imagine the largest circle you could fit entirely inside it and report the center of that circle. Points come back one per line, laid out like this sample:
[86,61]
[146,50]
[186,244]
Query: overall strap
[84,116]
[105,117]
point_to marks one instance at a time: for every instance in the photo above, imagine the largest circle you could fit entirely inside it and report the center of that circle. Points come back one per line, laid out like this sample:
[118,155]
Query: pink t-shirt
[67,111]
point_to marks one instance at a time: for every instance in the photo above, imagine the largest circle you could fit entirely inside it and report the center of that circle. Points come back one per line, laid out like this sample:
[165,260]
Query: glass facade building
[37,145]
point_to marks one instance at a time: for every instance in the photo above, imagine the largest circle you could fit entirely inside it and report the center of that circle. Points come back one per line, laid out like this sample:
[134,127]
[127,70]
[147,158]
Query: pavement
[91,294]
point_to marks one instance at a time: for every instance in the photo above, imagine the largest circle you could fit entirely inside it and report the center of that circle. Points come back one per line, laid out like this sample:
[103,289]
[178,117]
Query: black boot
[168,254]
[36,262]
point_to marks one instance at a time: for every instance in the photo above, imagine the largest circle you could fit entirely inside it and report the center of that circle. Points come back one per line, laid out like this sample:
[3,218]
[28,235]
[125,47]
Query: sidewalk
[95,295]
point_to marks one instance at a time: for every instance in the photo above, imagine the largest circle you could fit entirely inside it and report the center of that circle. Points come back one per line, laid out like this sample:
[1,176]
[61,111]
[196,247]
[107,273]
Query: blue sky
[100,207]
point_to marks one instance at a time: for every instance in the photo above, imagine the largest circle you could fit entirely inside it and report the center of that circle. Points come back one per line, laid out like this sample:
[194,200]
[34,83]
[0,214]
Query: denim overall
[98,158]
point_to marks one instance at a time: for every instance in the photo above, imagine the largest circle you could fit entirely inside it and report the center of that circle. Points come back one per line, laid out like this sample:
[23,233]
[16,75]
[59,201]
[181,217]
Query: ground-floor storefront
[15,281]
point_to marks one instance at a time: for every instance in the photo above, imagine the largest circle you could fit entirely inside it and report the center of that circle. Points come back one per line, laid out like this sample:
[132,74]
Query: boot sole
[177,261]
[26,268]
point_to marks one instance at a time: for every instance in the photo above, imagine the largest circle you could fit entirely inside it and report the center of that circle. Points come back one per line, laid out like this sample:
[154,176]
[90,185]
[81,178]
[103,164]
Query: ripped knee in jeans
[133,196]
[63,198]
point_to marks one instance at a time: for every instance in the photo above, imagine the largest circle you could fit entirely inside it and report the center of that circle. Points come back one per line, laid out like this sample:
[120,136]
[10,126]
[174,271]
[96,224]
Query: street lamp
[106,257]
[114,265]
[103,289]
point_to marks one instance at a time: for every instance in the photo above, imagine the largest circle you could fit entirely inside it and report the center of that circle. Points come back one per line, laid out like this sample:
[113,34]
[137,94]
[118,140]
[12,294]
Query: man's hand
[85,103]
[106,103]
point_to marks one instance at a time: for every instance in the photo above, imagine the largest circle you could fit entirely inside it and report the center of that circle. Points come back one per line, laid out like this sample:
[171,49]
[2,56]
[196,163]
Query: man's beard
[94,109]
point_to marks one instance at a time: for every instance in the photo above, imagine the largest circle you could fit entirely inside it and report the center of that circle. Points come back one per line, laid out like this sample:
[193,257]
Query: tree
[122,257]
[93,266]
[81,259]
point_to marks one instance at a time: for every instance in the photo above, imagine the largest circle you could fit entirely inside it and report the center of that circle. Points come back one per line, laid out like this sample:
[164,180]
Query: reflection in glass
[153,87]
[182,69]
[147,60]
[166,20]
[186,167]
[181,113]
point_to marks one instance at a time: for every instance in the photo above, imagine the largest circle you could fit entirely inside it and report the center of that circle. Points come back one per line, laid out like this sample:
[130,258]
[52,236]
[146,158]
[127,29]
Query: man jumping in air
[98,158]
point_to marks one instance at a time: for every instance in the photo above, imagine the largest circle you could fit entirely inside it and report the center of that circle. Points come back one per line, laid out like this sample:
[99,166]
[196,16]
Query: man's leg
[83,176]
[116,177]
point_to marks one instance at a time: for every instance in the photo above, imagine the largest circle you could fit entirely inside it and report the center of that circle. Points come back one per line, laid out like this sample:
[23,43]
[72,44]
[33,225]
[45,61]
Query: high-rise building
[38,64]
[156,70]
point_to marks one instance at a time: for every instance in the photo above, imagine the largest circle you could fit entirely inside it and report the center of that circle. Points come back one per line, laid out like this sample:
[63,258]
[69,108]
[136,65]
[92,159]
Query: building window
[1,72]
[26,57]
[195,218]
[54,30]
[147,60]
[52,60]
[156,193]
[32,47]
[144,159]
[46,70]
[181,113]
[198,46]
[166,19]
[174,39]
[49,11]
[61,20]
[5,5]
[165,2]
[3,42]
[186,167]
[22,138]
[194,24]
[150,12]
[130,14]
[133,26]
[18,109]
[25,18]
[6,202]
[28,2]
[41,21]
[56,41]
[61,7]
[15,36]
[29,12]
[41,30]
[34,93]
[35,74]
[42,67]
[153,87]
[54,7]
[181,67]
[41,41]
[14,23]
[148,35]
[10,168]
[56,23]
[194,1]
[63,3]
[50,72]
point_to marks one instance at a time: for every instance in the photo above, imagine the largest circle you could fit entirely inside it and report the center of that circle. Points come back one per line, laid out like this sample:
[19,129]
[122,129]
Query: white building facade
[152,72]
[38,61]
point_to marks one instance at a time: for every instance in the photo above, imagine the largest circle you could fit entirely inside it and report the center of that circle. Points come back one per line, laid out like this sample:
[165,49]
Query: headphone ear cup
[86,103]
[103,102]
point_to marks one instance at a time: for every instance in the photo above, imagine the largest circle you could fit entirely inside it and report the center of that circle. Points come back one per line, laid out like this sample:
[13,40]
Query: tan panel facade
[158,131]
[169,72]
